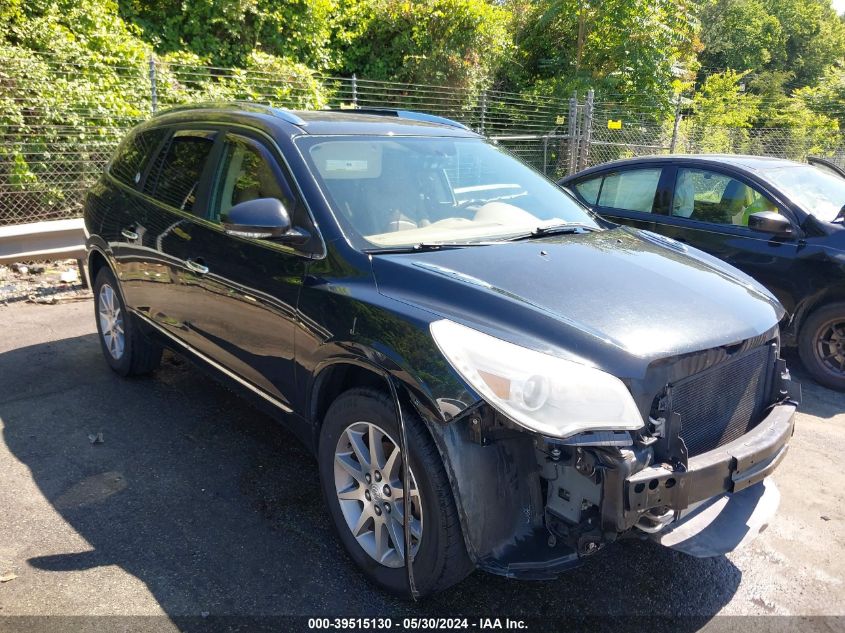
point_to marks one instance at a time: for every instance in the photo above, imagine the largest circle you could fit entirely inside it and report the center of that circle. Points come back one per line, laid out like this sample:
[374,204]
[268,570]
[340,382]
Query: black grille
[722,403]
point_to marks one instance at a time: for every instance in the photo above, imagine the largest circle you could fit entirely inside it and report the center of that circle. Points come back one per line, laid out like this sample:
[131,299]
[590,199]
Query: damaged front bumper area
[553,502]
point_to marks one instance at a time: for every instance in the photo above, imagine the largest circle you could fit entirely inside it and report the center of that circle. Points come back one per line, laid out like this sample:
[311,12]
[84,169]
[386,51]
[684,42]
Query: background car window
[175,176]
[130,159]
[711,197]
[631,190]
[589,189]
[247,172]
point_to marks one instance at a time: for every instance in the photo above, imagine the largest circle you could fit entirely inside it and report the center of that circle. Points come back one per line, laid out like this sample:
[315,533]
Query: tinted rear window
[175,177]
[133,154]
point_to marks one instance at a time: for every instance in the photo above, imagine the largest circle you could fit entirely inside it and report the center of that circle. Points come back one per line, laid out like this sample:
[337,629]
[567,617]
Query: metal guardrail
[56,239]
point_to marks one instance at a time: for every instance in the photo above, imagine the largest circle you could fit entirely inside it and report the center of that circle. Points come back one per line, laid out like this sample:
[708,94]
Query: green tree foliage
[459,43]
[724,112]
[827,97]
[74,77]
[182,79]
[801,37]
[226,32]
[739,34]
[723,101]
[635,49]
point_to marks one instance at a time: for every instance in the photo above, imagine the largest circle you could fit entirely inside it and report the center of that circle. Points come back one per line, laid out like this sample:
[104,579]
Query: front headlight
[550,395]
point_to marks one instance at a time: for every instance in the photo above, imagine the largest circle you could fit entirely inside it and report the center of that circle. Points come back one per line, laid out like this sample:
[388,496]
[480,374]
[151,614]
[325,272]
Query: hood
[610,297]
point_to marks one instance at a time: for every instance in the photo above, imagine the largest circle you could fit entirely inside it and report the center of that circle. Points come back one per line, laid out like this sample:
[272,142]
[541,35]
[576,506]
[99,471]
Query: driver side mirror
[770,222]
[261,218]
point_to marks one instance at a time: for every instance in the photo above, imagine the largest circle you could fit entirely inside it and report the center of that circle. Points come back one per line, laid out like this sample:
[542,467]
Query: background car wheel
[127,351]
[360,472]
[821,345]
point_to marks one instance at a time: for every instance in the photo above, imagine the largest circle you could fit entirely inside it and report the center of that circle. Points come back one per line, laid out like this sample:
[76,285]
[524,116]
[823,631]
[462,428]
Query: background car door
[242,293]
[628,196]
[710,210]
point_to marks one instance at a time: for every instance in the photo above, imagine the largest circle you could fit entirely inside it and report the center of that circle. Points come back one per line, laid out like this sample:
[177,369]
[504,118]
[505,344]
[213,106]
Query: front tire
[360,473]
[821,345]
[125,348]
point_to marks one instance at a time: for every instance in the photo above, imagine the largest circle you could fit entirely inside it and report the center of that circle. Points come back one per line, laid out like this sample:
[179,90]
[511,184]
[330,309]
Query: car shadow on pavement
[217,508]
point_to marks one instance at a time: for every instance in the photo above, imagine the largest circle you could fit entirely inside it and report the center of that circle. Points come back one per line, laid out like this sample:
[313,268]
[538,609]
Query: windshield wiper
[555,229]
[421,247]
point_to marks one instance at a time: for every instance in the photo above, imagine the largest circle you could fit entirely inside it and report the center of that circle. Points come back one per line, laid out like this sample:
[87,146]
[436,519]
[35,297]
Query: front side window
[247,172]
[402,191]
[133,155]
[630,190]
[712,197]
[175,177]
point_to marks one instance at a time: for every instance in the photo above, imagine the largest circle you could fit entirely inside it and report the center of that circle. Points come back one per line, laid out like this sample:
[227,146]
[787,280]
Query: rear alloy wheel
[821,345]
[125,348]
[111,321]
[361,470]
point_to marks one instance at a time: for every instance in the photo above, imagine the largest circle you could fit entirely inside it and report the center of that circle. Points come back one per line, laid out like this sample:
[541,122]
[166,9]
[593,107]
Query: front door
[710,211]
[243,292]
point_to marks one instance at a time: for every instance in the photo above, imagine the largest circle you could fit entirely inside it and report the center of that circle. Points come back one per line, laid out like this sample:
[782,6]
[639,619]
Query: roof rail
[282,113]
[410,114]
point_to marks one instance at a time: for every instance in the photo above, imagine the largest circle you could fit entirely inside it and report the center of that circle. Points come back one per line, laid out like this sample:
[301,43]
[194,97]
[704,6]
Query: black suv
[391,285]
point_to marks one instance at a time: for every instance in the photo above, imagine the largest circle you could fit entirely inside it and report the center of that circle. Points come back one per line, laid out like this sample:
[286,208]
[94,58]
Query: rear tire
[440,558]
[821,345]
[125,348]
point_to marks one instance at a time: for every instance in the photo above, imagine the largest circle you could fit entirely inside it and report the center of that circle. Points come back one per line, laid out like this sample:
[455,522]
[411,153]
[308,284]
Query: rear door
[710,210]
[632,195]
[125,214]
[176,194]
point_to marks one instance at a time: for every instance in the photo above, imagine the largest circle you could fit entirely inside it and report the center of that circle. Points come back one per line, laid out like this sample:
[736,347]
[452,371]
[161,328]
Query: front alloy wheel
[361,477]
[368,481]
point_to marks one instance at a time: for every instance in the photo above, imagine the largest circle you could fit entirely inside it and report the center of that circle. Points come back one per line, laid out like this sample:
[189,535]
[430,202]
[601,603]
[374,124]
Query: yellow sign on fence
[614,125]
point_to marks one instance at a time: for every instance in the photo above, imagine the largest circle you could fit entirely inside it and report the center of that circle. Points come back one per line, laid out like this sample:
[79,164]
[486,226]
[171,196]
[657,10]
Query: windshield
[403,191]
[817,192]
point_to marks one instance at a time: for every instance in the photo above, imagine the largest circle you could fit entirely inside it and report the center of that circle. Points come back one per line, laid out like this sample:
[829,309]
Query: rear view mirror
[770,222]
[261,218]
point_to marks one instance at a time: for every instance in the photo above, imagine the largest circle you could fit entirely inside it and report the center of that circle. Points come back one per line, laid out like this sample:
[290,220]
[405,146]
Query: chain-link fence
[60,119]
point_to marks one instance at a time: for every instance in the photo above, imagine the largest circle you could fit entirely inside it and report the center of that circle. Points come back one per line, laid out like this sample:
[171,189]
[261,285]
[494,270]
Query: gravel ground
[41,282]
[197,505]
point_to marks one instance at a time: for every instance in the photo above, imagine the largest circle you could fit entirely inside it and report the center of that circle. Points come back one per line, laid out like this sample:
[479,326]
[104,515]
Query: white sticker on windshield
[346,165]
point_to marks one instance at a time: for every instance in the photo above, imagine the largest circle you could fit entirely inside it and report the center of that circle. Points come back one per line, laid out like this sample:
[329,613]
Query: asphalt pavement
[196,505]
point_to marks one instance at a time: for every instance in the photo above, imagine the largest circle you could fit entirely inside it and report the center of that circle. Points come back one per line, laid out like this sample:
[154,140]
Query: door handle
[129,235]
[196,266]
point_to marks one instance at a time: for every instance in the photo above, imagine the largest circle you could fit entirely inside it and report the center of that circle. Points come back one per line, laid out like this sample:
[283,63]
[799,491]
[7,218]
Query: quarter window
[133,155]
[175,177]
[589,190]
[631,190]
[712,197]
[247,172]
